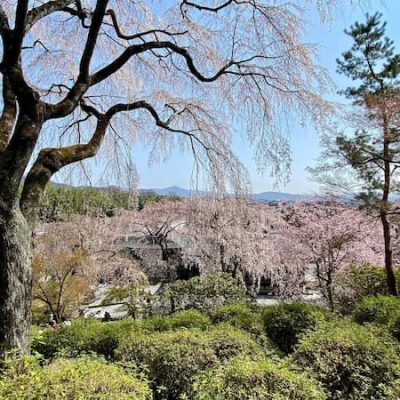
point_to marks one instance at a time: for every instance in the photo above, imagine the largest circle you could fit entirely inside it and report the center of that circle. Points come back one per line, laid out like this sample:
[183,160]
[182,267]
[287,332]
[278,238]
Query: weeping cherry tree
[84,77]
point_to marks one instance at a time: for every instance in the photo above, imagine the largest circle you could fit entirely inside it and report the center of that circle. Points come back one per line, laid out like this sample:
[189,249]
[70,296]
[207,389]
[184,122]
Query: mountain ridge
[262,196]
[268,196]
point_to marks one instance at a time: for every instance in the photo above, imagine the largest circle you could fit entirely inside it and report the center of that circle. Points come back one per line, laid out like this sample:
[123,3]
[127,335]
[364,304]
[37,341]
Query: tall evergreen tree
[373,149]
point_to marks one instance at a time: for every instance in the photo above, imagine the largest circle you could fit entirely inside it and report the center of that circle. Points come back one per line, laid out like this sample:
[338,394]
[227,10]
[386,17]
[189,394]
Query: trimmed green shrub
[84,336]
[181,319]
[357,282]
[156,324]
[392,391]
[228,342]
[378,310]
[92,336]
[286,323]
[172,359]
[240,316]
[351,361]
[204,293]
[394,326]
[189,319]
[79,379]
[245,379]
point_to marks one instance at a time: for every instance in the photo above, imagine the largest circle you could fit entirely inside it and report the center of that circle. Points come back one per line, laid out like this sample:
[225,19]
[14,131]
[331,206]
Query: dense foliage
[242,316]
[286,323]
[246,379]
[351,361]
[64,379]
[204,293]
[84,336]
[237,351]
[60,202]
[357,282]
[63,274]
[172,359]
[379,310]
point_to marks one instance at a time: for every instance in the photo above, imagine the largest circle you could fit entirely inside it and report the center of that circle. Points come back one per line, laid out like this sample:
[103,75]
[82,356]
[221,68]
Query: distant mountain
[169,191]
[278,196]
[181,192]
[259,197]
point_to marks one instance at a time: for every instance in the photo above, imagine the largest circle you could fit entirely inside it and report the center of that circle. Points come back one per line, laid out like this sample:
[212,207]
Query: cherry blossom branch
[51,160]
[139,35]
[42,11]
[200,7]
[133,50]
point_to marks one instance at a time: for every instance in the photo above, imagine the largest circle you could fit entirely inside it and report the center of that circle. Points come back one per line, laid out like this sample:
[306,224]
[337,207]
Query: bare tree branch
[40,12]
[4,24]
[133,50]
[51,160]
[186,3]
[91,40]
[19,30]
[139,35]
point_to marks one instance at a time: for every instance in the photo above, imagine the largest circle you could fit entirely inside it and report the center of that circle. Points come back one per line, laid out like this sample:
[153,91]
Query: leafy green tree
[372,151]
[202,293]
[63,275]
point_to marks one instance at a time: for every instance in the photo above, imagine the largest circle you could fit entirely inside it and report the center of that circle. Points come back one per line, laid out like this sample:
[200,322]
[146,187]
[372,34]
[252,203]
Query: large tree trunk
[15,280]
[390,277]
[16,236]
[384,207]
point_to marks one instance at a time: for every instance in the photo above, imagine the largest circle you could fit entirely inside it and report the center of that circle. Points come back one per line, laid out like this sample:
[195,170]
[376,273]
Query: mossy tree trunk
[16,231]
[15,280]
[21,122]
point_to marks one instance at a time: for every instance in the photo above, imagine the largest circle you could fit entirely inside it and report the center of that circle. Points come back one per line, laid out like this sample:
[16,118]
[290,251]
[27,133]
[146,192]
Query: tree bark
[329,291]
[15,280]
[390,277]
[387,234]
[16,238]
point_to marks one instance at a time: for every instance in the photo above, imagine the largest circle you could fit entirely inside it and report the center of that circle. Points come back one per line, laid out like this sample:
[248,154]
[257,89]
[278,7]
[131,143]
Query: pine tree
[373,152]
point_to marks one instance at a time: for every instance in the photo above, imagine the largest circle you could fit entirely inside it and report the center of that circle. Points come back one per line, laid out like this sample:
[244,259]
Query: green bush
[351,361]
[240,316]
[245,379]
[357,282]
[156,324]
[172,359]
[286,323]
[188,319]
[204,293]
[181,319]
[392,391]
[84,336]
[379,310]
[228,342]
[394,326]
[79,379]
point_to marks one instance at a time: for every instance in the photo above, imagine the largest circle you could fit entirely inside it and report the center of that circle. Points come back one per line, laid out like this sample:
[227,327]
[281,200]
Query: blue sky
[304,141]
